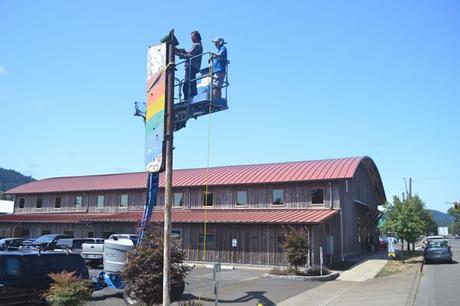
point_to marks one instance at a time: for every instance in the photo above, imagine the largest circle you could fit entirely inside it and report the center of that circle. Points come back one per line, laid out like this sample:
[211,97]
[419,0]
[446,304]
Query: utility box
[115,254]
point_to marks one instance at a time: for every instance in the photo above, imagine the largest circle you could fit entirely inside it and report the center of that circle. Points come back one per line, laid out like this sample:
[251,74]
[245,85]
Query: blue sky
[309,80]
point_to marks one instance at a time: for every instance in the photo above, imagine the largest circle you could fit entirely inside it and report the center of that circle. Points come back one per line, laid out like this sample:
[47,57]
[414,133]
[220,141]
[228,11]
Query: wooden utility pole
[168,169]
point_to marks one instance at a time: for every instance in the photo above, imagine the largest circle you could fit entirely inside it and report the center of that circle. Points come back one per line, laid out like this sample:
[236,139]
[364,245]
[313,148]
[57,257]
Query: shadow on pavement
[256,296]
[107,296]
[342,266]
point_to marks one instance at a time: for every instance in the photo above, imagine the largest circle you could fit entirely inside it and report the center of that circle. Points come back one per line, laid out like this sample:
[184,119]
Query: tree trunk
[402,250]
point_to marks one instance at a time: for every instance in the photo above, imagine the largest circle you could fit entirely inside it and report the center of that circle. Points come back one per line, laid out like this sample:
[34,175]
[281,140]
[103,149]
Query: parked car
[47,242]
[11,243]
[383,242]
[24,274]
[75,245]
[437,250]
[430,238]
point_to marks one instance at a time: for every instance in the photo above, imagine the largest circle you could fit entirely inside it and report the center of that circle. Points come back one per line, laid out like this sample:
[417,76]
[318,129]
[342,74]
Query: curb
[323,278]
[415,284]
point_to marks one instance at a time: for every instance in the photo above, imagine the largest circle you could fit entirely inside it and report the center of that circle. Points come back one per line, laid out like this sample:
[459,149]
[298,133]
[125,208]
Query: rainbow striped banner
[155,108]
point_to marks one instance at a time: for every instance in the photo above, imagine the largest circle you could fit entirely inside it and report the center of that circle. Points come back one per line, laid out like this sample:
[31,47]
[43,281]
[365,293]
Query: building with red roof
[248,212]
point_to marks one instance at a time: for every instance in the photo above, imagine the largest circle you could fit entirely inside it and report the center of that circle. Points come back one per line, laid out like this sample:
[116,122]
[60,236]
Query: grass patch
[397,266]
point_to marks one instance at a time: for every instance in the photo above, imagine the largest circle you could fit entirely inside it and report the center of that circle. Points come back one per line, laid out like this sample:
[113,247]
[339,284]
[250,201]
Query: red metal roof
[330,169]
[47,218]
[258,216]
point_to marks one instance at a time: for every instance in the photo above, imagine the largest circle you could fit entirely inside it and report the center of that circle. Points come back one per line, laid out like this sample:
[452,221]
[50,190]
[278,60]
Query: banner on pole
[155,108]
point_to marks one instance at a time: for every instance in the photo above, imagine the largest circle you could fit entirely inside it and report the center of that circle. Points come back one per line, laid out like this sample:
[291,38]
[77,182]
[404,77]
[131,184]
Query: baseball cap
[219,39]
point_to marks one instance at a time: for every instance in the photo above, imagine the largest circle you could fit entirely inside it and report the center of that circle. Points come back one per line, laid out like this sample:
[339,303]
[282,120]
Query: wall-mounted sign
[155,108]
[234,243]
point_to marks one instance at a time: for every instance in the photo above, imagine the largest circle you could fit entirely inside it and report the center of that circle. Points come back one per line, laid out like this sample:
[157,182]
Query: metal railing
[204,79]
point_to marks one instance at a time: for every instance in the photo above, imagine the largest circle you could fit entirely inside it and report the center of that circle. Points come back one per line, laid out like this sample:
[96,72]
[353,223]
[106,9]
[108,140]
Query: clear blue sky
[310,80]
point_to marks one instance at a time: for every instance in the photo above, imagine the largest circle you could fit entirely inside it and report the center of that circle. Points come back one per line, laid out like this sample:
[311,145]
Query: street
[439,283]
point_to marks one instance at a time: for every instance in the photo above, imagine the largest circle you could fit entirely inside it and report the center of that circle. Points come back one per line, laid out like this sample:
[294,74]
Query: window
[176,236]
[242,198]
[45,232]
[21,203]
[39,203]
[106,235]
[209,239]
[90,234]
[317,196]
[57,202]
[25,232]
[208,199]
[68,233]
[78,201]
[124,201]
[100,201]
[178,199]
[278,197]
[281,242]
[13,267]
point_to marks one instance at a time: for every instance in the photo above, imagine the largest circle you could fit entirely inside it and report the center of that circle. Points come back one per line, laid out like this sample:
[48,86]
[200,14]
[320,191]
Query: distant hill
[10,179]
[442,219]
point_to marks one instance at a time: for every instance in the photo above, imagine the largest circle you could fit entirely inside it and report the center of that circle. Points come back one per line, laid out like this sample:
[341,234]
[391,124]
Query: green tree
[455,227]
[405,219]
[296,248]
[143,275]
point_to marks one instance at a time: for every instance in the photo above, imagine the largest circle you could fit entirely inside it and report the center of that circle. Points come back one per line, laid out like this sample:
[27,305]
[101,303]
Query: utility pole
[168,167]
[410,187]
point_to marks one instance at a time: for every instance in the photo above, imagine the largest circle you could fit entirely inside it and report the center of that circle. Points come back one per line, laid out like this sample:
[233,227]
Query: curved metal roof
[303,171]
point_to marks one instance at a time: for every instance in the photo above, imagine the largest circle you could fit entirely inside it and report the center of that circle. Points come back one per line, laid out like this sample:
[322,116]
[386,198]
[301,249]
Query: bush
[279,271]
[316,271]
[143,274]
[68,290]
[296,248]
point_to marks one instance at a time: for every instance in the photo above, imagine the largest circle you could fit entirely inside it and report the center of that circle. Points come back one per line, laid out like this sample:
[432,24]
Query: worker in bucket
[192,65]
[219,66]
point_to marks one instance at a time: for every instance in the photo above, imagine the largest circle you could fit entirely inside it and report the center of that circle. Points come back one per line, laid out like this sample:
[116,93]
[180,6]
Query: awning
[245,216]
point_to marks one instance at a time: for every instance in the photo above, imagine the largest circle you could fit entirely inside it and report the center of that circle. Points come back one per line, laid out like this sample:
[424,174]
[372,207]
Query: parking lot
[236,287]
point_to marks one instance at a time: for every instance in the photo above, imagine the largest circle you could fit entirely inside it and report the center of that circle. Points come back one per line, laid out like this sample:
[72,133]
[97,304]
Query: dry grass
[397,266]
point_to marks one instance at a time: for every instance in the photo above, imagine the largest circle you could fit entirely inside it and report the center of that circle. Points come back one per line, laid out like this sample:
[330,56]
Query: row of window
[317,197]
[78,202]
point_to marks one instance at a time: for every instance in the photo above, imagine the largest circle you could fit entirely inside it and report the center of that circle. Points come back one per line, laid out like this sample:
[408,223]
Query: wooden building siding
[359,188]
[259,196]
[136,201]
[256,244]
[259,244]
[296,195]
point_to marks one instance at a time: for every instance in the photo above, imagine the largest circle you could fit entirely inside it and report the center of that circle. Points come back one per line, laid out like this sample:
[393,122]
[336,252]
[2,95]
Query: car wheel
[130,298]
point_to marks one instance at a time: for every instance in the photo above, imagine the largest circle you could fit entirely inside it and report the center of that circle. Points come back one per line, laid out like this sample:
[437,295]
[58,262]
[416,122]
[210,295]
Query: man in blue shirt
[219,66]
[192,65]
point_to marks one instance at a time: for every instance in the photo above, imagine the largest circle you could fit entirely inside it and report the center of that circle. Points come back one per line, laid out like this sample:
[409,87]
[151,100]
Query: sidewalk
[358,286]
[366,268]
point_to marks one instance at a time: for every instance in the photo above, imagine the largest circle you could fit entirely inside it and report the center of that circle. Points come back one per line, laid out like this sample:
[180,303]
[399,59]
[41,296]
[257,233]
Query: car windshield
[45,239]
[437,244]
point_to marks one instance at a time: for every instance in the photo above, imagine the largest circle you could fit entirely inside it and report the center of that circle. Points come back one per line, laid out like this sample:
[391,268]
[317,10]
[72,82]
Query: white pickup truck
[93,253]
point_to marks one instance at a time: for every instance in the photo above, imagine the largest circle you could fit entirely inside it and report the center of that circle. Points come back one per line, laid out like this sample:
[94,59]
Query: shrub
[296,248]
[143,274]
[68,290]
[316,271]
[279,271]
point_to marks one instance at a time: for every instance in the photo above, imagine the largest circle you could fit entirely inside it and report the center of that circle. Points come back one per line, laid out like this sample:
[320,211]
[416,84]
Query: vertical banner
[155,108]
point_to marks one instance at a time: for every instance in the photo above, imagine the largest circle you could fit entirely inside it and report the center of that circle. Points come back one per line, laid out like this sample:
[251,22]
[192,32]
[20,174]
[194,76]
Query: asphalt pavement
[236,287]
[440,283]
